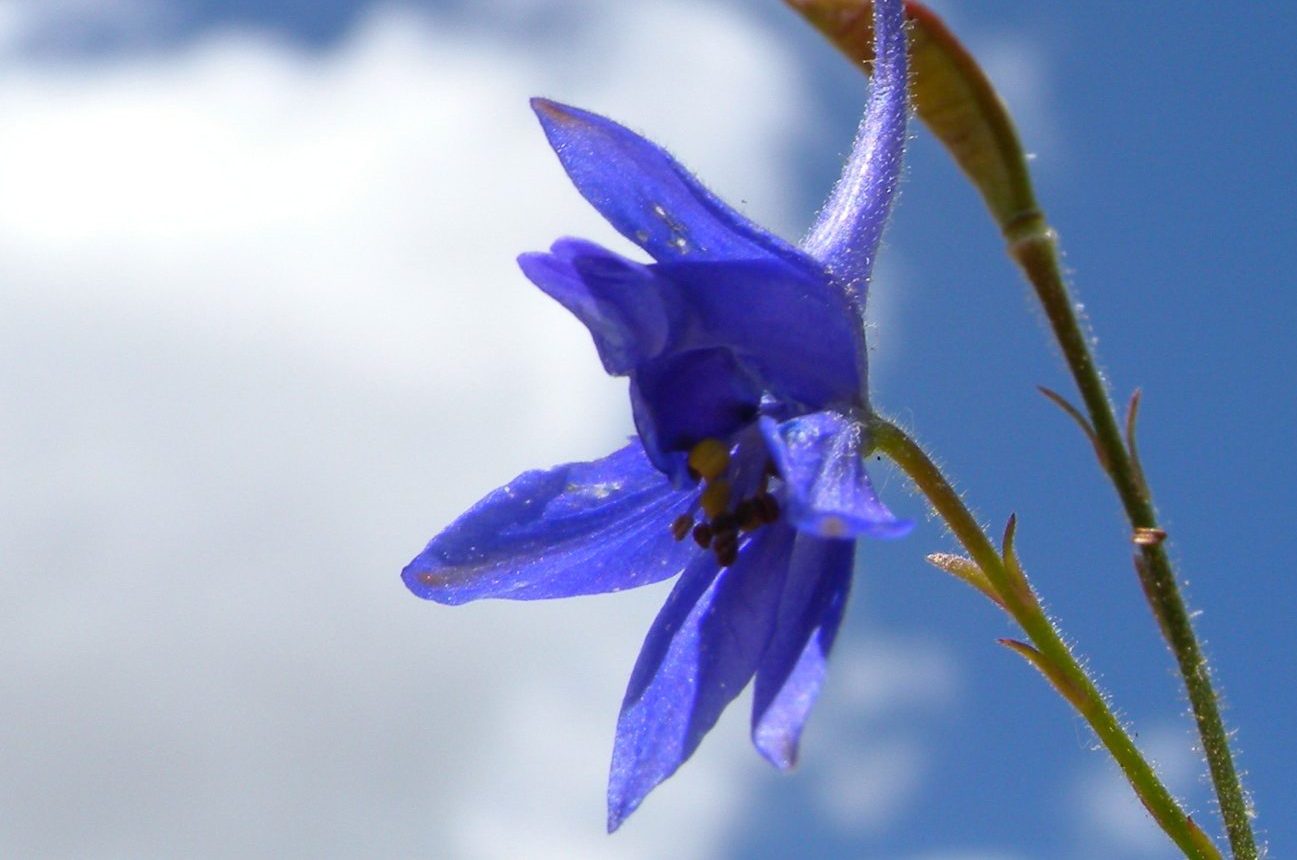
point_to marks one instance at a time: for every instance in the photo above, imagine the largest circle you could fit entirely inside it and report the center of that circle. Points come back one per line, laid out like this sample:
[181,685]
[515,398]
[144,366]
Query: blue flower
[747,367]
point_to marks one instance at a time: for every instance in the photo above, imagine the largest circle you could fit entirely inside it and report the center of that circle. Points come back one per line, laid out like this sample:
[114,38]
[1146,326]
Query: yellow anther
[716,498]
[709,458]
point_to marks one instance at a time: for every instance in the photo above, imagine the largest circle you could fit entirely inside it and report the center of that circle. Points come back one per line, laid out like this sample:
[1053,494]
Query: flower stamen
[716,498]
[720,525]
[709,459]
[682,526]
[767,507]
[726,546]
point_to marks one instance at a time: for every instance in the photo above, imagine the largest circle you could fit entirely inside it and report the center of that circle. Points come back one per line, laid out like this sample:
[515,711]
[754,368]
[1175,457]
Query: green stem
[1034,246]
[1067,674]
[955,98]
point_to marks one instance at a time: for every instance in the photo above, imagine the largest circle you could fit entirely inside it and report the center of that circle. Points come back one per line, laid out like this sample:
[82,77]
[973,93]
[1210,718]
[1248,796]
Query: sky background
[263,335]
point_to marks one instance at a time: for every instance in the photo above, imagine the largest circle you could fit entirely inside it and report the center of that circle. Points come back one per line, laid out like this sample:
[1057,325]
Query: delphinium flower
[747,366]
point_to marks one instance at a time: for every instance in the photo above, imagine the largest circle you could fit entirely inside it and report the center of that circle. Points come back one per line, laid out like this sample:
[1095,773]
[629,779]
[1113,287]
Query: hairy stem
[1066,673]
[1034,246]
[955,99]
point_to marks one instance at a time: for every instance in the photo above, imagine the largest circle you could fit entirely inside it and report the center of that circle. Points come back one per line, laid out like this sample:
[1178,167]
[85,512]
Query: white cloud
[263,334]
[866,753]
[885,676]
[868,785]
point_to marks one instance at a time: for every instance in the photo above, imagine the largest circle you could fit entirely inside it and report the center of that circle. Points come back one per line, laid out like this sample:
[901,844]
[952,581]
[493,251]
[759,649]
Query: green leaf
[1075,696]
[967,570]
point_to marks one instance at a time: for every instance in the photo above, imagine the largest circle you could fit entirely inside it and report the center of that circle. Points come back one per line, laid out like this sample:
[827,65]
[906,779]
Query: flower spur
[747,368]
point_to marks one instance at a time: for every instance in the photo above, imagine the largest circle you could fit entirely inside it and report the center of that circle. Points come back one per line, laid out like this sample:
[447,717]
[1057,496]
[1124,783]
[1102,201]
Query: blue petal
[582,528]
[620,301]
[792,669]
[683,398]
[646,194]
[820,458]
[700,653]
[788,323]
[703,341]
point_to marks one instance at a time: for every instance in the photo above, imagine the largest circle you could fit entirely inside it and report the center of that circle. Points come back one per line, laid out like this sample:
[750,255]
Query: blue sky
[265,336]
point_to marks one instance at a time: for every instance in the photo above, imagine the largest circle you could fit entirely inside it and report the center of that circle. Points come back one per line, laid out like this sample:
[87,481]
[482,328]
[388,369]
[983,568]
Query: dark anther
[767,507]
[681,526]
[726,522]
[748,516]
[703,535]
[726,547]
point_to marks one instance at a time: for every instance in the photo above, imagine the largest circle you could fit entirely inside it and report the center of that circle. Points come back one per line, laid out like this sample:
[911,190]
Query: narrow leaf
[1006,544]
[1074,696]
[1081,421]
[1016,574]
[1132,416]
[967,570]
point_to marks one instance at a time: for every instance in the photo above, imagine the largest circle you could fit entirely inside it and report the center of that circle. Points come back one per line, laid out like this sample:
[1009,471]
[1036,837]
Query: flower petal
[620,301]
[646,194]
[820,457]
[792,669]
[581,528]
[686,397]
[700,653]
[793,328]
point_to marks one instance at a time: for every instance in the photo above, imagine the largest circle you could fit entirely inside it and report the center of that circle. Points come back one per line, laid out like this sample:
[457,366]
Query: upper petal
[792,668]
[820,457]
[646,194]
[700,653]
[621,302]
[581,528]
[795,329]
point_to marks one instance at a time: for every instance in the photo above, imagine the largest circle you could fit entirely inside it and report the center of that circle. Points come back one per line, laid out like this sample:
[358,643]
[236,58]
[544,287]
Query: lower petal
[792,669]
[581,528]
[681,399]
[821,459]
[700,653]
